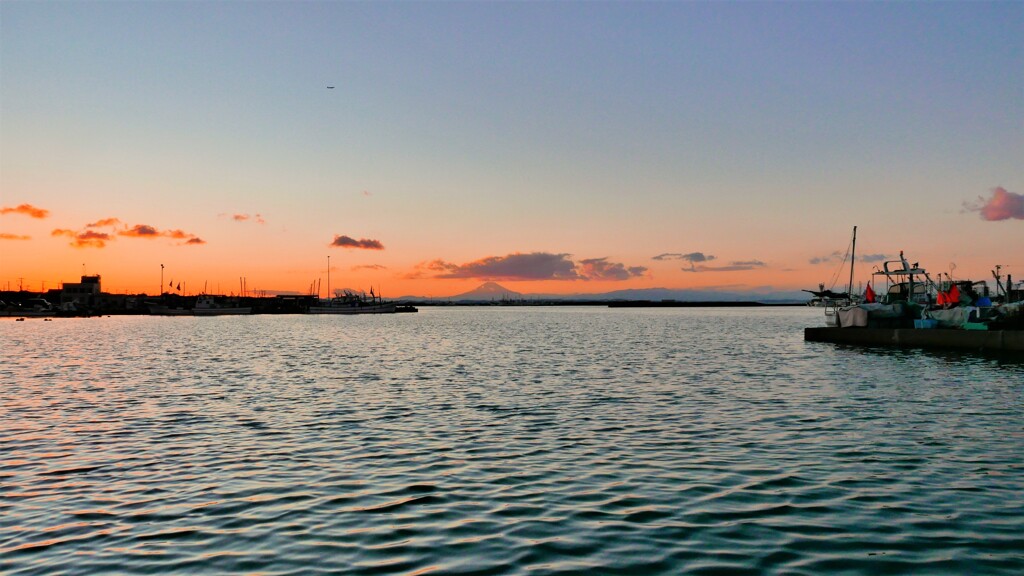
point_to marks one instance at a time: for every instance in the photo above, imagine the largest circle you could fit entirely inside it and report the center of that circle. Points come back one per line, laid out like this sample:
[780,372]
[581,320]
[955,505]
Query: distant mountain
[487,291]
[491,291]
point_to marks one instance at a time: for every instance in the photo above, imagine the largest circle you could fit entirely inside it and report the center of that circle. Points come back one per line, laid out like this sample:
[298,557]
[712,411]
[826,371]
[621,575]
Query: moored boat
[351,303]
[913,310]
[207,305]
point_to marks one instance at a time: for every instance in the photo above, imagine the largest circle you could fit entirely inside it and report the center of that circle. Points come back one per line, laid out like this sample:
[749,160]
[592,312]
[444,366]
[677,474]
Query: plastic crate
[926,324]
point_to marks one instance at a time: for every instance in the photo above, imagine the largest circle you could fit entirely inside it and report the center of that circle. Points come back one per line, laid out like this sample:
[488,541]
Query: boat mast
[328,277]
[853,258]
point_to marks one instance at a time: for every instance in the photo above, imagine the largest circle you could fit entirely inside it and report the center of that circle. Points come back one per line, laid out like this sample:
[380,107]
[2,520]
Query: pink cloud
[1002,205]
[736,266]
[86,239]
[26,209]
[6,236]
[246,217]
[104,222]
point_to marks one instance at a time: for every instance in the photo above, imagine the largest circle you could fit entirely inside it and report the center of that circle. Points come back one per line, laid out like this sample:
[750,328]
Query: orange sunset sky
[551,147]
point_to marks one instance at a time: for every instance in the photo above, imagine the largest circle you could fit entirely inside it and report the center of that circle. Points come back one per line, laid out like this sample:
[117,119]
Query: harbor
[913,310]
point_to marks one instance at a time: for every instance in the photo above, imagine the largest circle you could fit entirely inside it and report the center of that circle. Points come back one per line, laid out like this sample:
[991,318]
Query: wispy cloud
[688,257]
[735,266]
[369,267]
[26,209]
[342,241]
[104,222]
[838,256]
[1002,205]
[85,239]
[602,269]
[6,236]
[246,217]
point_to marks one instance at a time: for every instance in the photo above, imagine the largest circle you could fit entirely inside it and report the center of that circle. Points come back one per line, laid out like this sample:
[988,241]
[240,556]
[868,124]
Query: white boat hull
[344,309]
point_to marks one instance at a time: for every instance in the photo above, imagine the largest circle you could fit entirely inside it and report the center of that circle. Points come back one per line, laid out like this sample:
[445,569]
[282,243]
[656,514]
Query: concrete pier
[979,340]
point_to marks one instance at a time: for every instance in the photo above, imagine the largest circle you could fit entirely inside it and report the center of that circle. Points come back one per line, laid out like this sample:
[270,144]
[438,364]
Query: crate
[926,324]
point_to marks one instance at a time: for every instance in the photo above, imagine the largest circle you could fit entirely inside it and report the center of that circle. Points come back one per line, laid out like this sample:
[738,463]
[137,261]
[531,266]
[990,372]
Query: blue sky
[460,131]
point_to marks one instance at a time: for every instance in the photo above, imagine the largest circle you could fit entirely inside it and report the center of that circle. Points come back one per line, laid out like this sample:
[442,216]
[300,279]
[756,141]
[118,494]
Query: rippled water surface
[501,441]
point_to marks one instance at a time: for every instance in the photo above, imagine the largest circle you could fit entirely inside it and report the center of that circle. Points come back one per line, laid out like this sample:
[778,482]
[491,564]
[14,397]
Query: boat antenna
[328,276]
[853,258]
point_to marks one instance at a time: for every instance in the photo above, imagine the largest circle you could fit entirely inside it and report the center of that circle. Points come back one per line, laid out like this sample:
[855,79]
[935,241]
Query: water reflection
[500,441]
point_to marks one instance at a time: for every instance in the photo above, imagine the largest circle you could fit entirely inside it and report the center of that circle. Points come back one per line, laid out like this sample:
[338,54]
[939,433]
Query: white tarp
[853,316]
[951,318]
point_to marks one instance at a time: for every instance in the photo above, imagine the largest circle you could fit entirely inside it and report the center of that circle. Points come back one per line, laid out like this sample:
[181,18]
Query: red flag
[179,287]
[941,299]
[954,295]
[869,295]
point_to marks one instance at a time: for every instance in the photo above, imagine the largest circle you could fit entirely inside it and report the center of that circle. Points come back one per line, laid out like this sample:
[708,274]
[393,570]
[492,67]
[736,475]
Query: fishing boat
[207,305]
[165,310]
[349,302]
[913,310]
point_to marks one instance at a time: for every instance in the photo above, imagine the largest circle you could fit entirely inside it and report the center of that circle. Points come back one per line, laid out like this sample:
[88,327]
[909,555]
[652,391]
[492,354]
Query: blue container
[926,324]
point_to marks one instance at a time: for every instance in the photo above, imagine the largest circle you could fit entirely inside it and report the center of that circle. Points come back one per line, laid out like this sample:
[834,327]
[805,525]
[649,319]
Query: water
[501,441]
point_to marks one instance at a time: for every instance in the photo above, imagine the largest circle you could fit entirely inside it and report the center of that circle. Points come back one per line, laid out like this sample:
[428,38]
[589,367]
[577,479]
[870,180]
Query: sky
[423,148]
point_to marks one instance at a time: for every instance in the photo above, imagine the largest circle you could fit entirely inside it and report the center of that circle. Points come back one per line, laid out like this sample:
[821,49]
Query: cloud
[873,258]
[91,238]
[734,266]
[690,257]
[245,217]
[341,241]
[26,209]
[533,266]
[147,231]
[6,236]
[369,267]
[838,256]
[601,269]
[104,222]
[140,231]
[1003,205]
[86,239]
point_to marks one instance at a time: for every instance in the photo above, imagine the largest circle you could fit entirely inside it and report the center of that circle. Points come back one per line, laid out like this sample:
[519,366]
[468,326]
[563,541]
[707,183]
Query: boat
[913,310]
[157,309]
[822,297]
[349,302]
[207,305]
[31,308]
